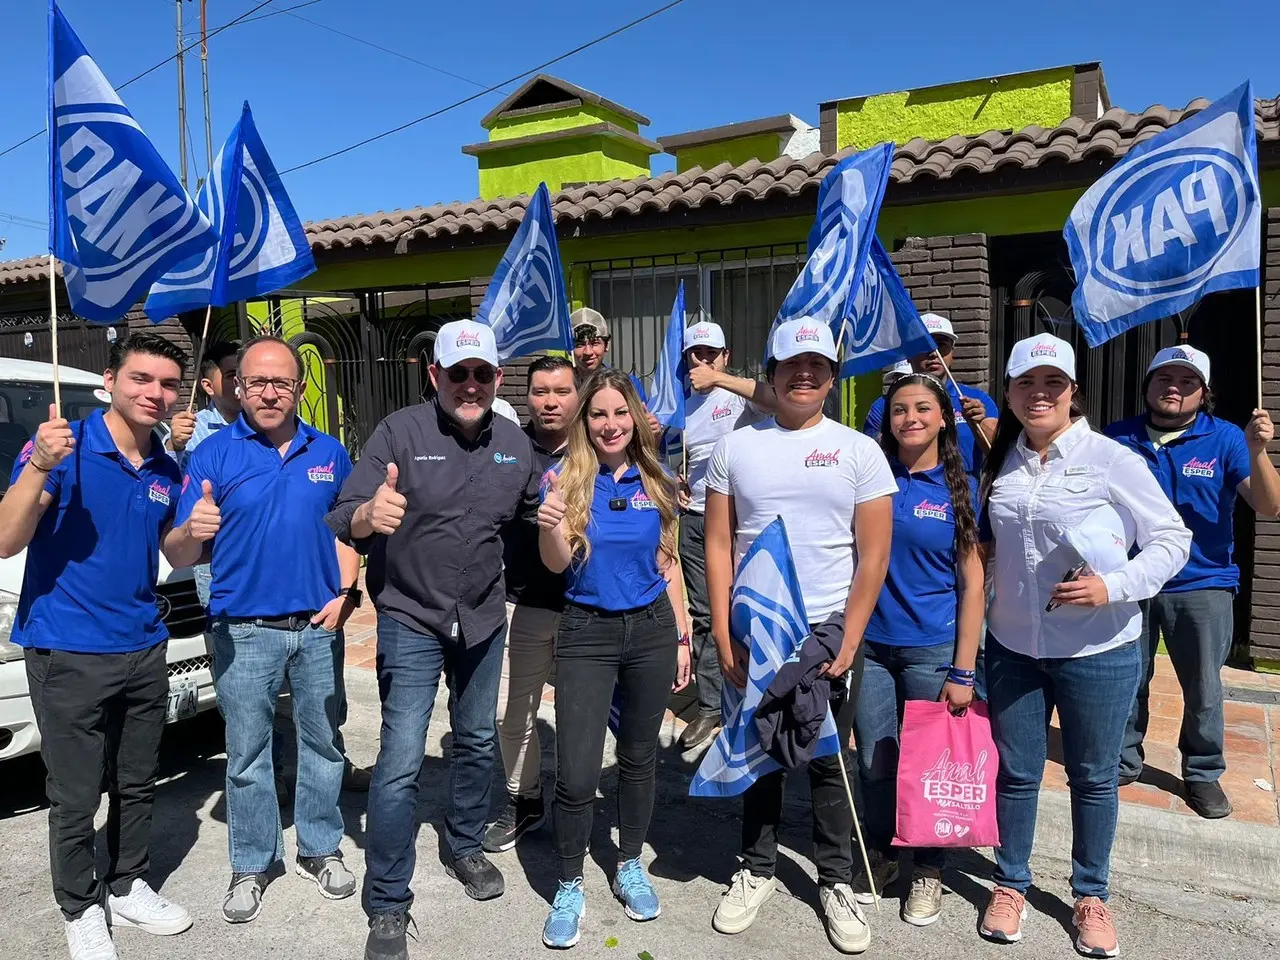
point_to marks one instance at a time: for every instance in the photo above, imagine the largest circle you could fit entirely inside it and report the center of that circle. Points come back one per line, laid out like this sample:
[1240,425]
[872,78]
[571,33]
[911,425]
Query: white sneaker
[88,936]
[739,905]
[148,911]
[846,926]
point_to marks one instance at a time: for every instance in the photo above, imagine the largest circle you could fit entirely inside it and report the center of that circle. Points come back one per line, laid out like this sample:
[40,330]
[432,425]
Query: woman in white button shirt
[1060,636]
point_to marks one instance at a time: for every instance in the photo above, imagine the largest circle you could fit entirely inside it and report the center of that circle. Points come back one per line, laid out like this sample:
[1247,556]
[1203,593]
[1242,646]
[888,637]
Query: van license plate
[182,700]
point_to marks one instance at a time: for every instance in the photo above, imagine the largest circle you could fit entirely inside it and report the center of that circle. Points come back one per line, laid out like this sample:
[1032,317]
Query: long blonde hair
[581,465]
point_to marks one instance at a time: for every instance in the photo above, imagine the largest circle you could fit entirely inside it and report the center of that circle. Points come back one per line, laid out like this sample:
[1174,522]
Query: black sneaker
[387,936]
[479,878]
[1207,799]
[700,731]
[518,817]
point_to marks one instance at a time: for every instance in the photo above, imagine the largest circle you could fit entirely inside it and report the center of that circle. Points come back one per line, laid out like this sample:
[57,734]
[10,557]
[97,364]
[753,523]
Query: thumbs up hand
[386,509]
[54,442]
[205,518]
[552,510]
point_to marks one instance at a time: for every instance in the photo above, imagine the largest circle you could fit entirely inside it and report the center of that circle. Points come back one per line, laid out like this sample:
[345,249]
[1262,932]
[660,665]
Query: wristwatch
[354,594]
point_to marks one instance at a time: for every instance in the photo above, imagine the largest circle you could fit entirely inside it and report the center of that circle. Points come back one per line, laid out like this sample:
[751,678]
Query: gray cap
[586,317]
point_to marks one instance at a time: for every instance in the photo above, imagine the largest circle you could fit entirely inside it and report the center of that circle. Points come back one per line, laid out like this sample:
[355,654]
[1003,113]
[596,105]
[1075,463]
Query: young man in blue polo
[975,411]
[282,588]
[90,501]
[1202,464]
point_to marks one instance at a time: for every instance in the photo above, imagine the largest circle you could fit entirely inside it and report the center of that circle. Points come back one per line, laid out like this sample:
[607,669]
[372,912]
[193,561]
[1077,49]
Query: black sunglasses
[459,374]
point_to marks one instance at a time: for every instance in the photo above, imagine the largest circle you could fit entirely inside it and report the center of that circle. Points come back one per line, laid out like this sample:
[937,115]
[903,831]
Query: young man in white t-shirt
[711,412]
[833,488]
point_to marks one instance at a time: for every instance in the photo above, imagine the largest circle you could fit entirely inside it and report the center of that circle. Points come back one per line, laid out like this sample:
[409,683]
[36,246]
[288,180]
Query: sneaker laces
[1005,904]
[569,897]
[92,929]
[632,880]
[388,925]
[1092,914]
[142,893]
[842,904]
[507,818]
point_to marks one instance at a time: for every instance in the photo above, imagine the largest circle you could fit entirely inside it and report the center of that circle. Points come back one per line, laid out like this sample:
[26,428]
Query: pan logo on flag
[870,309]
[1161,214]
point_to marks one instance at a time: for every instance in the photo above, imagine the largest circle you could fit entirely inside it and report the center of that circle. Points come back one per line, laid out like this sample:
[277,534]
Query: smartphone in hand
[1075,573]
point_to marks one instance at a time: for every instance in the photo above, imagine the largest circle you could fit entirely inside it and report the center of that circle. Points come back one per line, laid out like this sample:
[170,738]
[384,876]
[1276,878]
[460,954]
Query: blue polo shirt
[1199,473]
[274,555]
[971,449]
[91,568]
[918,603]
[622,571]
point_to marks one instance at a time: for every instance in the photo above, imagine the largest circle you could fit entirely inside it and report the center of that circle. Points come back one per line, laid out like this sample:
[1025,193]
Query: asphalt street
[691,853]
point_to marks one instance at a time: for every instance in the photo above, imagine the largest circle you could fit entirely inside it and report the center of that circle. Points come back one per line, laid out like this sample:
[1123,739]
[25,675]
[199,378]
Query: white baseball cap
[465,340]
[704,333]
[586,317]
[1042,350]
[900,369]
[804,335]
[1182,356]
[939,326]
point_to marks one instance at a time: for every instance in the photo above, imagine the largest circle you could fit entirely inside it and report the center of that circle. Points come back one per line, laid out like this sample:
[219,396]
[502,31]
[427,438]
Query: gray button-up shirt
[440,573]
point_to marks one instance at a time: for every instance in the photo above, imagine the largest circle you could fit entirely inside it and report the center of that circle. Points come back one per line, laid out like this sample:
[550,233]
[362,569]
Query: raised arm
[36,481]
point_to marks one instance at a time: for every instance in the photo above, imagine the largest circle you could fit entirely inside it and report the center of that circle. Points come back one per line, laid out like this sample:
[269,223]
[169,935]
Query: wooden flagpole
[53,333]
[204,337]
[982,436]
[1258,331]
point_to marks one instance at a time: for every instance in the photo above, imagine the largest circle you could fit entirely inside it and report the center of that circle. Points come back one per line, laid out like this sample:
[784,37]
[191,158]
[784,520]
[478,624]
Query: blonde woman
[608,520]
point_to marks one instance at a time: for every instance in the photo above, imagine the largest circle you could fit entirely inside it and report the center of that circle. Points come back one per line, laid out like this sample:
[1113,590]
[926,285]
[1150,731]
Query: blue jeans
[251,663]
[410,665]
[1093,695]
[1197,626]
[891,676]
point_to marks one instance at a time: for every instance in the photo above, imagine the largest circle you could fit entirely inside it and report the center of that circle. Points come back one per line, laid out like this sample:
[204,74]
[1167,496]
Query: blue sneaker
[561,929]
[633,888]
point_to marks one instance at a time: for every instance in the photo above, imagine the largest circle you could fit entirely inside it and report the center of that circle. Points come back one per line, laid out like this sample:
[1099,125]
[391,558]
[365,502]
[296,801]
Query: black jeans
[706,662]
[832,816]
[596,650]
[100,717]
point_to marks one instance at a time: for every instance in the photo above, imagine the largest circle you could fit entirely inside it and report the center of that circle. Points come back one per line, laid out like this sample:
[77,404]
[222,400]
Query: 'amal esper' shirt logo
[720,412]
[321,474]
[640,501]
[819,459]
[925,510]
[1195,467]
[159,492]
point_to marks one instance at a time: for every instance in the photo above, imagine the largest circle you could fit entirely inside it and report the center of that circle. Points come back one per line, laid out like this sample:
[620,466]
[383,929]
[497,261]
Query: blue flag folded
[1177,218]
[118,217]
[840,239]
[261,245]
[883,325]
[767,616]
[526,304]
[666,398]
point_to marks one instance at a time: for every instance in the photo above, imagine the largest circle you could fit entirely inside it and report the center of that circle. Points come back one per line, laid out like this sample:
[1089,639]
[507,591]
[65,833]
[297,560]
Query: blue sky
[701,64]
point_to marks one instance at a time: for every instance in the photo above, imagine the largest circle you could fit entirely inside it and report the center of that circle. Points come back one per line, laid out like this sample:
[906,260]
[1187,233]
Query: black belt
[292,621]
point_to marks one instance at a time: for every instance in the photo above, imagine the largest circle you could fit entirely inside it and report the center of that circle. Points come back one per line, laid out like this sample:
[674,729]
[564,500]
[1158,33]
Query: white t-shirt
[813,479]
[707,418]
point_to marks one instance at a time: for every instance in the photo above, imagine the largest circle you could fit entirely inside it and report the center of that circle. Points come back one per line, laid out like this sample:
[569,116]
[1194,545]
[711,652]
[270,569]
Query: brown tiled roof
[1074,140]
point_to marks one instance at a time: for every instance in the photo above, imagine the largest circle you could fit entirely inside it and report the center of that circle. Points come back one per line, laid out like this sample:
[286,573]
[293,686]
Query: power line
[18,221]
[150,70]
[476,96]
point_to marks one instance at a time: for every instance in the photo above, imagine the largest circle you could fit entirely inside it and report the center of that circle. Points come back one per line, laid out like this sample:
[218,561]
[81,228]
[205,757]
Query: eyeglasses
[256,386]
[459,374]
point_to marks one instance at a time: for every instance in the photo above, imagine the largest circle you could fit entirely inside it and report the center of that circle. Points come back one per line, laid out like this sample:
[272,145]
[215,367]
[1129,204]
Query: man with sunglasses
[258,492]
[434,488]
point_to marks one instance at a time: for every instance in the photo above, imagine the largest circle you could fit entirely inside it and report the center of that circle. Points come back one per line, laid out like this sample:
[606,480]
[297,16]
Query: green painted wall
[1042,97]
[762,146]
[505,128]
[519,170]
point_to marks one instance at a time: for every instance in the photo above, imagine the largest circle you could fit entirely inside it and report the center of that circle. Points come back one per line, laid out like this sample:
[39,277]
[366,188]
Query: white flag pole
[53,333]
[866,863]
[204,336]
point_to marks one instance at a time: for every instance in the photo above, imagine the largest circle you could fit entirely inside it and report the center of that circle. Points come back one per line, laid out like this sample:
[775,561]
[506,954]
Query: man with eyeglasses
[258,493]
[427,502]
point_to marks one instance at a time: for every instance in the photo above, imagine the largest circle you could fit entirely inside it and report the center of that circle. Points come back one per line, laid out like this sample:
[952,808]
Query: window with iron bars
[739,289]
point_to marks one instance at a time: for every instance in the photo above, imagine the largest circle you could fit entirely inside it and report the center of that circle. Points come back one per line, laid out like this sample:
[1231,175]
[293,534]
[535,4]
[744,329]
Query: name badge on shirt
[1075,471]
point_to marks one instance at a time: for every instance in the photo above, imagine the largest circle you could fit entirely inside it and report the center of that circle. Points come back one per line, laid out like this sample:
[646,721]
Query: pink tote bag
[946,778]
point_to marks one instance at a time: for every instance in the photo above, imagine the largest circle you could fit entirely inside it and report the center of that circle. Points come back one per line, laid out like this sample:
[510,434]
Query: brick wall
[1264,628]
[951,276]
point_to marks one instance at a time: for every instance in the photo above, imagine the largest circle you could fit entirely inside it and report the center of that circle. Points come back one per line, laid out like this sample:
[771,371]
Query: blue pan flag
[1179,217]
[766,616]
[666,399]
[118,217]
[883,326]
[261,245]
[840,240]
[526,304]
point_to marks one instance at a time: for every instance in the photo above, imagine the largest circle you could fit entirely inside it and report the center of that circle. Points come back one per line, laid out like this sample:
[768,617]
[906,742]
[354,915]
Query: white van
[26,390]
